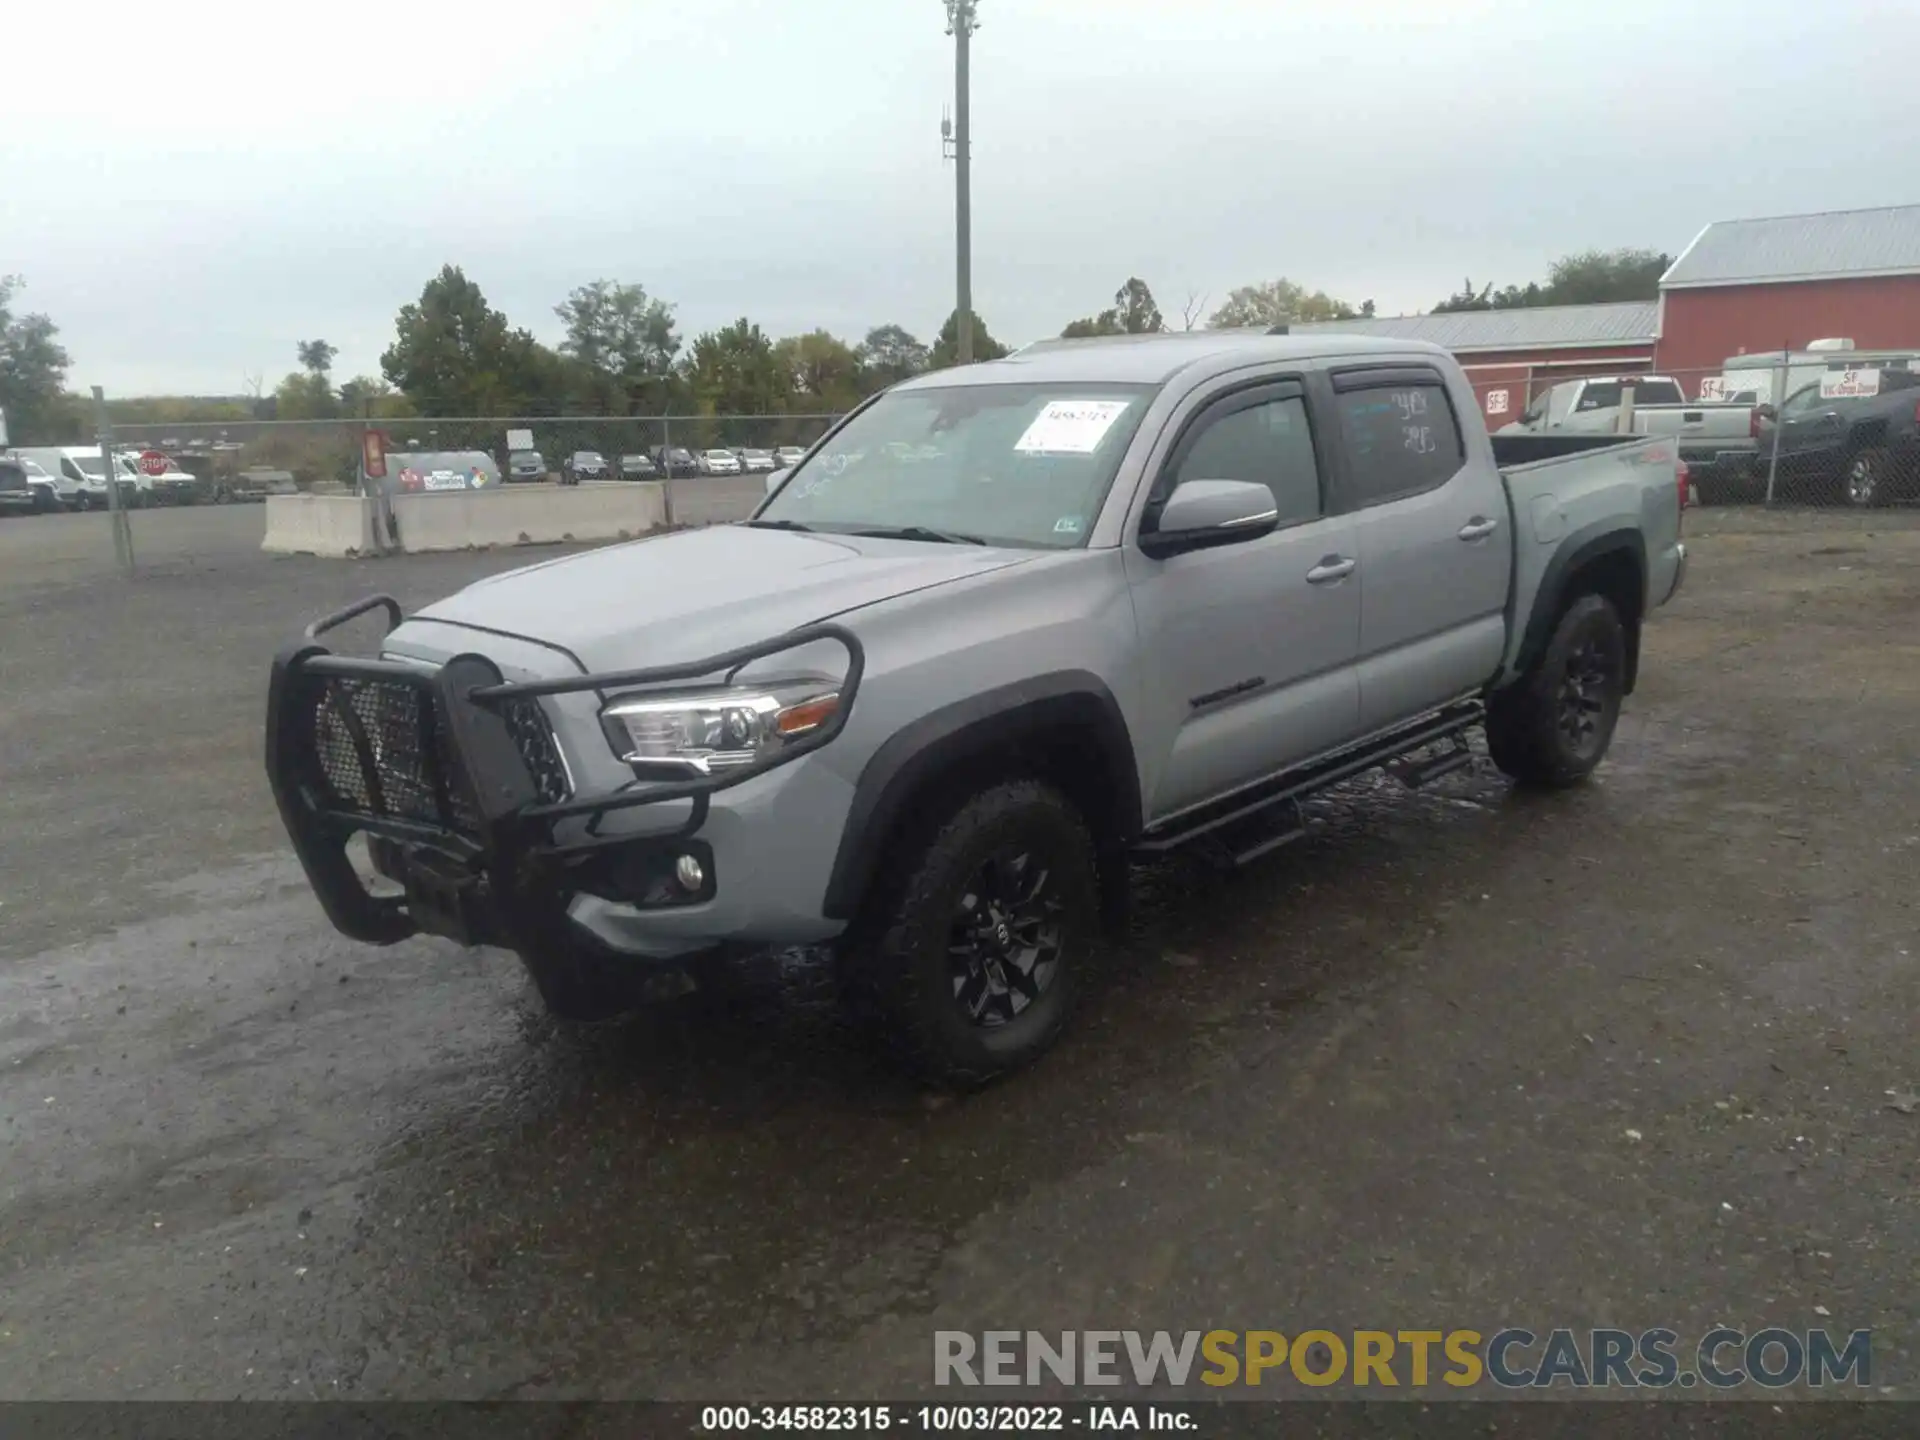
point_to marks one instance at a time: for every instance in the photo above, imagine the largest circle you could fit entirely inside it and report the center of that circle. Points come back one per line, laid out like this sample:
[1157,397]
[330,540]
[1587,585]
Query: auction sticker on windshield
[1070,427]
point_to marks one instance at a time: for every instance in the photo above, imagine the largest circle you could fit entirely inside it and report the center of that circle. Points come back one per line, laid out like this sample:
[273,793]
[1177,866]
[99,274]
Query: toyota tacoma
[1005,627]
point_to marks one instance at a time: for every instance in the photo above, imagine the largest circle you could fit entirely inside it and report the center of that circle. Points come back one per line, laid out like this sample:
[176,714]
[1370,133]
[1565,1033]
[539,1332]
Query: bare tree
[1195,307]
[254,382]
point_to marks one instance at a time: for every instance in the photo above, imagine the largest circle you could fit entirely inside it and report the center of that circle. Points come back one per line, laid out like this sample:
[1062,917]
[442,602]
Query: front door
[1432,535]
[1247,650]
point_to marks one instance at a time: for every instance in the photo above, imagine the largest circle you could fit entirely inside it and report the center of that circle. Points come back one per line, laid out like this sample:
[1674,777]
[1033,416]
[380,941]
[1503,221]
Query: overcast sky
[190,188]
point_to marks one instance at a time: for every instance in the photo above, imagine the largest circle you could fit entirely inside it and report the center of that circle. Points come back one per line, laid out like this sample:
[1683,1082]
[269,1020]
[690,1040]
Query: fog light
[688,872]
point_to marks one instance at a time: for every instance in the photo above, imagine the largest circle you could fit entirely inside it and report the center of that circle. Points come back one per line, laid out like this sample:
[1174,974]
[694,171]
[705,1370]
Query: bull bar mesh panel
[382,751]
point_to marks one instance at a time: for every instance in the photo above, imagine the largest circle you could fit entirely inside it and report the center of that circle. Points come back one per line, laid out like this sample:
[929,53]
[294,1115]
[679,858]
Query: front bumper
[456,780]
[1679,571]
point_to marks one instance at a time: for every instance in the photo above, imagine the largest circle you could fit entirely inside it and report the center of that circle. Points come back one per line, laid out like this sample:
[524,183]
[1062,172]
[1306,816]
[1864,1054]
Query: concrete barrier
[331,525]
[716,499]
[528,515]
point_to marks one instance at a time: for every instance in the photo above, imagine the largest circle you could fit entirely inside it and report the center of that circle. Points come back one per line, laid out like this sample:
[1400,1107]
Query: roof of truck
[1155,359]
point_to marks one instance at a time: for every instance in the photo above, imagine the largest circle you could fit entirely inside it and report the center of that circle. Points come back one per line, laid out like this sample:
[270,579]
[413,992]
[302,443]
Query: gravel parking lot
[1641,1054]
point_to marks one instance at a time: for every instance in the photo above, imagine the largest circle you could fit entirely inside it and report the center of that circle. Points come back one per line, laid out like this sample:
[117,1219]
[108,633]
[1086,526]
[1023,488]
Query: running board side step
[1259,818]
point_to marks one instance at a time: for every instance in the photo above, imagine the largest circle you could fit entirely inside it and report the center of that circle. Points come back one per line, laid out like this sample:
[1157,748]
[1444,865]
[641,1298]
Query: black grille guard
[473,766]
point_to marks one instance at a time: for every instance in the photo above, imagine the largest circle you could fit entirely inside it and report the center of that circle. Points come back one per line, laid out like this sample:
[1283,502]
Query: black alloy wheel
[1586,686]
[1005,941]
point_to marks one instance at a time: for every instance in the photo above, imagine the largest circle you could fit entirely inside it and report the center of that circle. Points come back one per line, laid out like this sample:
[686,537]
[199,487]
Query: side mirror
[1204,513]
[776,478]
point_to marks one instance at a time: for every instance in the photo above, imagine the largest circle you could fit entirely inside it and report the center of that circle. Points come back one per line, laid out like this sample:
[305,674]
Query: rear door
[1431,533]
[1247,650]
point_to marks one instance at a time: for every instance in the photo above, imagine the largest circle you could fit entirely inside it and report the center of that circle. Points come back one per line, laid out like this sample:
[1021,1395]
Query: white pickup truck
[1003,627]
[1716,438]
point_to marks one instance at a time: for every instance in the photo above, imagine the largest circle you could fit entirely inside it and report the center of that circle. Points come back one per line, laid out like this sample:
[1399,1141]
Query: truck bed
[1565,492]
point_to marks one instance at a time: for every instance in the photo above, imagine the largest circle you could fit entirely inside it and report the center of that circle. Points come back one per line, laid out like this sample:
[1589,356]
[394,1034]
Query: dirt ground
[1640,1054]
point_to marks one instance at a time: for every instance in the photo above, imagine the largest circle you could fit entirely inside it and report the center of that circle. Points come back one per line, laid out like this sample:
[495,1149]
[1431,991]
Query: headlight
[716,730]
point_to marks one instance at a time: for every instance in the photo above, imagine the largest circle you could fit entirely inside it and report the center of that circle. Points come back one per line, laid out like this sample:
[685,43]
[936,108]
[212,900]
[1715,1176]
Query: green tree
[1133,312]
[734,371]
[305,395]
[824,372]
[1588,277]
[625,339]
[1089,326]
[316,357]
[372,396]
[889,355]
[454,354]
[947,344]
[33,369]
[1277,302]
[1593,277]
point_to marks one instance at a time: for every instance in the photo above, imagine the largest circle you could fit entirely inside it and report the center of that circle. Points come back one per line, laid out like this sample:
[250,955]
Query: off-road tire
[1525,733]
[895,962]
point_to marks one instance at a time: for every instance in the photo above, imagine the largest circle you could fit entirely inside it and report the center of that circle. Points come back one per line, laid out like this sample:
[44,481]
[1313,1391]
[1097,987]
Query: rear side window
[1401,439]
[1268,444]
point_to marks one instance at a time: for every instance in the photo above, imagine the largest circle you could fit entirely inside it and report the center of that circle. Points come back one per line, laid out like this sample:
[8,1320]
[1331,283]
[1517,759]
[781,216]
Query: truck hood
[699,592]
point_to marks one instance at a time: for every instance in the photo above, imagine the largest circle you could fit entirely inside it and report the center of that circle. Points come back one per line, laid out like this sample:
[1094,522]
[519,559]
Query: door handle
[1478,528]
[1330,569]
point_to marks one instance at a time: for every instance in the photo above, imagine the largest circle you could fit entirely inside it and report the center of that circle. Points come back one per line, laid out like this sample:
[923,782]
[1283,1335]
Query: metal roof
[1154,359]
[1833,245]
[1539,327]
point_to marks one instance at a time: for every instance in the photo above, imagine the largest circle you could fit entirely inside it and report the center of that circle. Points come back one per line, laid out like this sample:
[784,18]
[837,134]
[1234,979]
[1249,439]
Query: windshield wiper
[778,525]
[919,532]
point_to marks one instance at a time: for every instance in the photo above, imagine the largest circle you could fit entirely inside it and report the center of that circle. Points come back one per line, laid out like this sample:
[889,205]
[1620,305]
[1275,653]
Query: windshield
[587,457]
[1605,394]
[1802,400]
[32,468]
[1015,464]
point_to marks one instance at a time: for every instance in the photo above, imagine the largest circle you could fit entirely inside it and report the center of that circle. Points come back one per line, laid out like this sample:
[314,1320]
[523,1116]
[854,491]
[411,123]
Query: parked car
[788,456]
[24,491]
[166,484]
[681,462]
[584,465]
[525,467]
[636,467]
[253,484]
[757,461]
[1863,448]
[25,487]
[720,462]
[943,710]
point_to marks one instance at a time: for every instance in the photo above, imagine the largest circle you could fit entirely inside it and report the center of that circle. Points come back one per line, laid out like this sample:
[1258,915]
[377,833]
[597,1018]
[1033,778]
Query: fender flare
[1593,542]
[955,734]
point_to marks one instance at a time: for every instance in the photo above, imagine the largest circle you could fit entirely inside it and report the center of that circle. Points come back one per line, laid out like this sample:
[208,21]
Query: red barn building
[1512,355]
[1746,286]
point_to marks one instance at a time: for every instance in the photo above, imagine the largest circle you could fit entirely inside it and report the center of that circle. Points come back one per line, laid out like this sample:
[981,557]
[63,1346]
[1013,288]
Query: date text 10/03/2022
[939,1419]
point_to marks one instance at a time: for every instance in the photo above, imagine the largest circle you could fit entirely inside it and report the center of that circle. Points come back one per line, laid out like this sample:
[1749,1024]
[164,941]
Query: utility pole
[961,24]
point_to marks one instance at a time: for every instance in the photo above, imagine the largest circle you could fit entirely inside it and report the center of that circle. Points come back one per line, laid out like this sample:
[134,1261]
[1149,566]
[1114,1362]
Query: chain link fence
[1786,429]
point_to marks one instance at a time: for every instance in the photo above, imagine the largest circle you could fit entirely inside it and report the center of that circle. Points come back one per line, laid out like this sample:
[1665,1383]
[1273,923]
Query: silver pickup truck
[1002,628]
[1717,439]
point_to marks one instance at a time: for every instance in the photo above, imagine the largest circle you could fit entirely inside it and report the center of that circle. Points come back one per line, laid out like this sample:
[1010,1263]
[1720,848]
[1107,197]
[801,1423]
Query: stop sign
[154,463]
